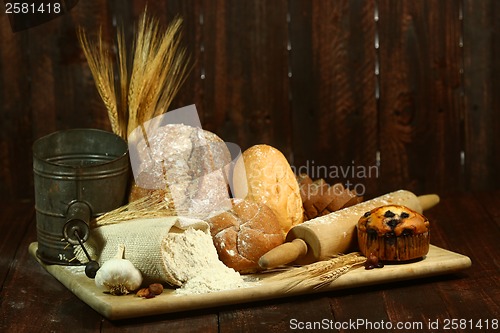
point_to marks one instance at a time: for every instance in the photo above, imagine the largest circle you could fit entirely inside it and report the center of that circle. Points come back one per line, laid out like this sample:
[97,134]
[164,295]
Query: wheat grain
[123,81]
[158,70]
[101,67]
[139,62]
[327,278]
[318,274]
[320,267]
[174,66]
[154,86]
[157,204]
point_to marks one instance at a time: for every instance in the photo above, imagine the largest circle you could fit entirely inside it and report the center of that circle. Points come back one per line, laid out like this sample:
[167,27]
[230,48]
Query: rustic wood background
[411,86]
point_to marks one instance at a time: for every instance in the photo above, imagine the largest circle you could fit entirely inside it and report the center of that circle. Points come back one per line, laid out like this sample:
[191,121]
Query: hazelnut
[144,292]
[156,288]
[373,262]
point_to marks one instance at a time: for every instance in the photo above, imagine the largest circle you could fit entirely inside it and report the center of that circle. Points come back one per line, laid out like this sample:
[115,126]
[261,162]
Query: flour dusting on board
[212,279]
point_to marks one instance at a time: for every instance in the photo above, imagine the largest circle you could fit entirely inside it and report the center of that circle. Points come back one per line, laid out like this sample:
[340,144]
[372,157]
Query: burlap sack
[142,239]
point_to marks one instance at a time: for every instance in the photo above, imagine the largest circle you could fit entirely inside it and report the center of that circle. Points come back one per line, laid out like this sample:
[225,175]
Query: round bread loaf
[244,233]
[262,174]
[187,163]
[393,233]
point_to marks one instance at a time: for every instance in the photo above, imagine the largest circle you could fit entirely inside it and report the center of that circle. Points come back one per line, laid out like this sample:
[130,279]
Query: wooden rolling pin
[328,235]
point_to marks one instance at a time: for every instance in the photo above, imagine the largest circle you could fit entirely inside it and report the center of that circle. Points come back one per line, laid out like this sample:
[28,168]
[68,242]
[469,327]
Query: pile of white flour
[190,256]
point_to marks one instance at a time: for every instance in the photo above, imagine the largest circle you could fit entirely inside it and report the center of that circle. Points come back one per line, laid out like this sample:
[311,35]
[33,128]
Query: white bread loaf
[244,233]
[262,174]
[188,164]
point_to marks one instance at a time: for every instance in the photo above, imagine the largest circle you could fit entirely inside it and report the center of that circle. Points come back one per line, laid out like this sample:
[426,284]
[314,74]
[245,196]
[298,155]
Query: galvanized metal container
[79,174]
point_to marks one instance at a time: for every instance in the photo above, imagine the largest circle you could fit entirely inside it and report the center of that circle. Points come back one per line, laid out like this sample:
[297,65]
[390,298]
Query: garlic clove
[118,276]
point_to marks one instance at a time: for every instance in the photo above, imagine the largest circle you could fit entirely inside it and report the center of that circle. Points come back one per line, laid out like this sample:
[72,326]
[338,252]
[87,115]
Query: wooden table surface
[31,300]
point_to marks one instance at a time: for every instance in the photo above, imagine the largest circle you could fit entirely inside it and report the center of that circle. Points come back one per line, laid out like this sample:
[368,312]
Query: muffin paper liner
[398,248]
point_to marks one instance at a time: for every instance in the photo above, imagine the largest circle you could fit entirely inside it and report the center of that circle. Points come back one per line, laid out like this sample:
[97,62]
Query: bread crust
[244,233]
[186,163]
[263,174]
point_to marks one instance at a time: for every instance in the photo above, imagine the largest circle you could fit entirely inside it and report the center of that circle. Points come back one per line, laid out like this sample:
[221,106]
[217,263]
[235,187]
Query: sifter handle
[78,218]
[283,254]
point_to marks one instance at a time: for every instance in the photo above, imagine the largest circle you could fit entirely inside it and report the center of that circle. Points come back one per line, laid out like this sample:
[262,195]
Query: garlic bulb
[118,276]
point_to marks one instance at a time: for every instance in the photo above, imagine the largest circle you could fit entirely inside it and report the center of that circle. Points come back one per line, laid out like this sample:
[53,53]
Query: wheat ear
[101,67]
[123,82]
[321,273]
[159,69]
[156,204]
[145,30]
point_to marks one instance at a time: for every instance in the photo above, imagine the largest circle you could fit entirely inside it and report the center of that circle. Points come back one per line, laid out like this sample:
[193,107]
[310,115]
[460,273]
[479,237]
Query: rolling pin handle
[283,254]
[428,201]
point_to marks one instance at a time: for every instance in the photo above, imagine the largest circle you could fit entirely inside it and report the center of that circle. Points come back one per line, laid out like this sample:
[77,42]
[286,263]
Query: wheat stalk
[172,67]
[142,44]
[327,278]
[157,204]
[101,67]
[319,274]
[124,81]
[158,70]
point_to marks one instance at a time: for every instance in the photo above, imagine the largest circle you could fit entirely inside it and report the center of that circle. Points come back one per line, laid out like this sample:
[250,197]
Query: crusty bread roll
[244,233]
[188,164]
[262,174]
[319,198]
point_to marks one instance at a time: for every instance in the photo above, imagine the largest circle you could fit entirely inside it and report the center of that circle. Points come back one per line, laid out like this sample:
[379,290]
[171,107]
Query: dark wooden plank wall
[338,86]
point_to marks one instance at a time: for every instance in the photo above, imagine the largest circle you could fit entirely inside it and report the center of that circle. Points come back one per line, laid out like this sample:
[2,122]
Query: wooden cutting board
[438,261]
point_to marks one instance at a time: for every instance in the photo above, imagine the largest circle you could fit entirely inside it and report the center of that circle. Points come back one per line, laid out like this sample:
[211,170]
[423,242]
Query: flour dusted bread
[262,174]
[244,233]
[187,163]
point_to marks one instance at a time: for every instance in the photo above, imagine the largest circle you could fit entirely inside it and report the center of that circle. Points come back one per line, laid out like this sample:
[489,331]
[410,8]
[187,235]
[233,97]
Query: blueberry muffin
[393,233]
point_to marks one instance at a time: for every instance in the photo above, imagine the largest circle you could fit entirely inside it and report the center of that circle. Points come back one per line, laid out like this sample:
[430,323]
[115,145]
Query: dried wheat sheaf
[139,82]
